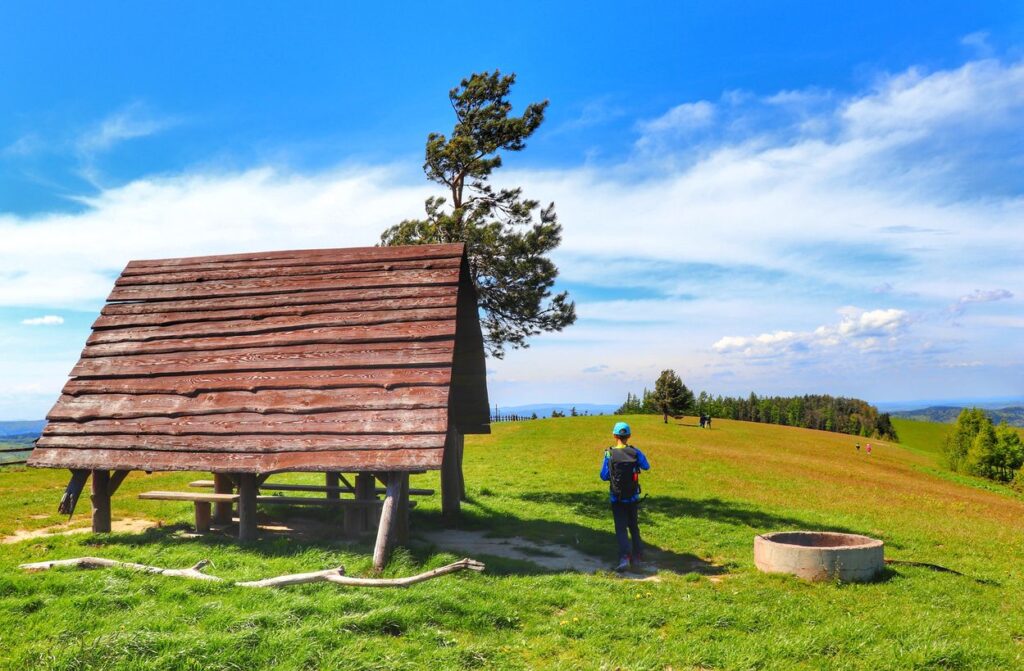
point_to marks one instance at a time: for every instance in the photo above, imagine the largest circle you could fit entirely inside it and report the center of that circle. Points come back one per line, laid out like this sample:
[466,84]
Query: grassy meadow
[709,493]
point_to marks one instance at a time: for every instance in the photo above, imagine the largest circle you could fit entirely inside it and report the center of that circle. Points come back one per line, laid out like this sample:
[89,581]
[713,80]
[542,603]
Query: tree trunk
[385,530]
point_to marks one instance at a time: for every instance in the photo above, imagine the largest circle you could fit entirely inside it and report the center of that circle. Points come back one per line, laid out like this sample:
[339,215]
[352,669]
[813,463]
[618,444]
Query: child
[621,469]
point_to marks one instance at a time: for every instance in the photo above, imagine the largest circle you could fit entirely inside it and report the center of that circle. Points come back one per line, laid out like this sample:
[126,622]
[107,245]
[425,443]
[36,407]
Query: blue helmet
[621,429]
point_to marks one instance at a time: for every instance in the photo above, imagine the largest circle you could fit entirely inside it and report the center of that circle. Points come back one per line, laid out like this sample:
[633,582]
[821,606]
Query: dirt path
[129,525]
[548,555]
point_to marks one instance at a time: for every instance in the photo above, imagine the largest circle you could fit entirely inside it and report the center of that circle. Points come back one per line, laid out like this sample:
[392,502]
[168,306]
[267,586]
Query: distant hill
[947,414]
[31,427]
[545,409]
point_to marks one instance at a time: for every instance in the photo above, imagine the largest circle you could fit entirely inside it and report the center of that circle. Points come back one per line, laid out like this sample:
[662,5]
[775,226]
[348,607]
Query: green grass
[709,493]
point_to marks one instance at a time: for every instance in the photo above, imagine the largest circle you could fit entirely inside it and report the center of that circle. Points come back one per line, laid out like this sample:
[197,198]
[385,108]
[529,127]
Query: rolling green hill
[709,493]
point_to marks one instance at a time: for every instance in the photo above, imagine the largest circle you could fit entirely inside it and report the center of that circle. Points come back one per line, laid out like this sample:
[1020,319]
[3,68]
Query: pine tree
[506,244]
[670,396]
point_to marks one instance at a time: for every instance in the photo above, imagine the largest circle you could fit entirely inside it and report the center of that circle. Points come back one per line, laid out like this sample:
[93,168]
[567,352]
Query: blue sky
[793,197]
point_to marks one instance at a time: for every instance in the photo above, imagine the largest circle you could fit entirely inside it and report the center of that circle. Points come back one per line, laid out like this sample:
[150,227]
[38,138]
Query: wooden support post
[385,530]
[450,478]
[101,501]
[332,479]
[202,517]
[222,485]
[247,529]
[402,523]
[462,477]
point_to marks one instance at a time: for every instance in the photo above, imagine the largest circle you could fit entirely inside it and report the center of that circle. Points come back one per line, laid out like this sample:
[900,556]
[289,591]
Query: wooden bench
[201,499]
[273,487]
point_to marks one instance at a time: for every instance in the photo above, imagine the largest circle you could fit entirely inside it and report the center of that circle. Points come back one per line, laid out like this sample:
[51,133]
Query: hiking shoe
[623,564]
[637,562]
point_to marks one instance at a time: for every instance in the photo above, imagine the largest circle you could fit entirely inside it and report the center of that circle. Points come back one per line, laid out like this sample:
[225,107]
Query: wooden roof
[315,360]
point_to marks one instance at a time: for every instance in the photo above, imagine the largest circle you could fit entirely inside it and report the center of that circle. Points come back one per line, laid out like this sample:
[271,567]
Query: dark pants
[625,515]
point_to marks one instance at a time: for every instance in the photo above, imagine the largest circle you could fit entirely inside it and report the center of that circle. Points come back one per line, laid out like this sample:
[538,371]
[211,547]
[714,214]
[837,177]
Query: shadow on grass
[587,504]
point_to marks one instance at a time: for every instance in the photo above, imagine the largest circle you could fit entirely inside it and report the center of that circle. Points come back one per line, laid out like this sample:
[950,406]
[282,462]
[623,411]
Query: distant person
[858,447]
[707,422]
[868,448]
[621,470]
[702,420]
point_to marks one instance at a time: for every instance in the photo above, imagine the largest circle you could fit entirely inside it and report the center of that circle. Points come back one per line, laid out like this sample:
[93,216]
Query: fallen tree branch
[294,578]
[462,564]
[335,575]
[194,572]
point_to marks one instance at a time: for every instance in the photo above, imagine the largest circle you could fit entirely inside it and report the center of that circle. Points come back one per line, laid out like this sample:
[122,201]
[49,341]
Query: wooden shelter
[363,360]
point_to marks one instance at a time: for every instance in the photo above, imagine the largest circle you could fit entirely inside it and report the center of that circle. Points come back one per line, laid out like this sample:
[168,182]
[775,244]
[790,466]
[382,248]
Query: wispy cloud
[128,123]
[979,296]
[47,320]
[793,205]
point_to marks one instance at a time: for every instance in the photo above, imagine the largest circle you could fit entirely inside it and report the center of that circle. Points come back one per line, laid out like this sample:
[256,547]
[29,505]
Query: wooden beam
[402,523]
[462,476]
[331,481]
[116,478]
[385,530]
[450,478]
[222,511]
[247,529]
[101,501]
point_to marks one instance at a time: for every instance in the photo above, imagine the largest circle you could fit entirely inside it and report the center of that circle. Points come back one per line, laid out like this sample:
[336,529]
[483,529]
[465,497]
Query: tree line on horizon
[811,411]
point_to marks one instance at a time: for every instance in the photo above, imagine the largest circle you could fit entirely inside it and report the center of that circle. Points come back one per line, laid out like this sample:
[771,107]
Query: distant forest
[944,414]
[822,412]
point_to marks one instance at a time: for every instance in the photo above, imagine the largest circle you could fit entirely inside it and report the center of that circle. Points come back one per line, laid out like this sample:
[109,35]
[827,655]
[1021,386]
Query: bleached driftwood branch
[194,572]
[294,578]
[335,575]
[462,564]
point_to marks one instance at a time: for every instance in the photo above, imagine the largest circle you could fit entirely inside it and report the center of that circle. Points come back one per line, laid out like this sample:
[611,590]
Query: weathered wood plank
[335,298]
[244,442]
[446,299]
[244,287]
[351,254]
[229,462]
[431,420]
[206,497]
[293,357]
[200,383]
[207,272]
[251,326]
[329,335]
[293,401]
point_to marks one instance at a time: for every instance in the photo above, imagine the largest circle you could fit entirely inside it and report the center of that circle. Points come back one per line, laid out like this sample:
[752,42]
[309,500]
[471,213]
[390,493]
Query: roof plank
[329,335]
[336,297]
[238,462]
[287,401]
[246,442]
[352,254]
[269,324]
[293,357]
[429,420]
[211,271]
[243,287]
[107,322]
[199,383]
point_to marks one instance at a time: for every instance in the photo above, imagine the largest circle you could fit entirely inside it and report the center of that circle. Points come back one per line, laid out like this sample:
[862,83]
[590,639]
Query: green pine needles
[507,236]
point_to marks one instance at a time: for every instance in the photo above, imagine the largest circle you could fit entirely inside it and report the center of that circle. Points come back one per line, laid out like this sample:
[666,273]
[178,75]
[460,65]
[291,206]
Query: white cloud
[860,329]
[774,226]
[47,320]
